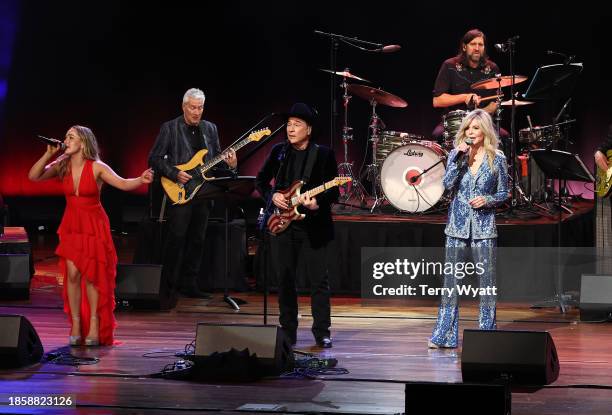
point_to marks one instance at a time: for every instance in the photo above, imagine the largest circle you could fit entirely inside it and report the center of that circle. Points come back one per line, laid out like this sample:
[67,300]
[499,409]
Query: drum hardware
[498,82]
[372,170]
[555,84]
[354,42]
[353,188]
[376,96]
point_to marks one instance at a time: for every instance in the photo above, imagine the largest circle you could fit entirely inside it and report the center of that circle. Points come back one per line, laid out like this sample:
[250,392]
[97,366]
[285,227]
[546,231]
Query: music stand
[231,190]
[553,82]
[560,165]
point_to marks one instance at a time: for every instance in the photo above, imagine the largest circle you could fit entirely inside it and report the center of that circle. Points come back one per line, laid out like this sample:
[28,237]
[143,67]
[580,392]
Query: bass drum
[403,178]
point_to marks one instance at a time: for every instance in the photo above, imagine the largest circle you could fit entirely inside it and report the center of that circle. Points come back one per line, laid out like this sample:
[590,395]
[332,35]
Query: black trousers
[289,250]
[184,244]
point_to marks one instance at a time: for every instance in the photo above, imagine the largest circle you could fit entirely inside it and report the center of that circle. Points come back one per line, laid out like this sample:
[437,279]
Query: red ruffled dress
[85,239]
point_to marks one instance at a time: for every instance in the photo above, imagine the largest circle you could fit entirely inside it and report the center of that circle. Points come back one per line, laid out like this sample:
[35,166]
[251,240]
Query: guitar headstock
[259,134]
[340,180]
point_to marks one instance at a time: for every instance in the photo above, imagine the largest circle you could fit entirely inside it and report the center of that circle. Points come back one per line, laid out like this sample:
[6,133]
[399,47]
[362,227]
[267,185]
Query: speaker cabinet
[141,286]
[19,343]
[596,297]
[525,357]
[271,348]
[14,276]
[469,398]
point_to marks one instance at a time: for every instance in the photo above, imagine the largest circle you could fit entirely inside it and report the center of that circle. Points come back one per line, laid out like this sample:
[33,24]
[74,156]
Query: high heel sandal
[75,340]
[93,341]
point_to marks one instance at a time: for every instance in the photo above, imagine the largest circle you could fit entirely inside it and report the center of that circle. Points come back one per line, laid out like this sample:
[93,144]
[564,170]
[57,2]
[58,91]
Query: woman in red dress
[86,250]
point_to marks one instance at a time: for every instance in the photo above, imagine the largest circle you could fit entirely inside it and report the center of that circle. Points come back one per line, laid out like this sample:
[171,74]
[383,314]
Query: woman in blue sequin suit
[477,179]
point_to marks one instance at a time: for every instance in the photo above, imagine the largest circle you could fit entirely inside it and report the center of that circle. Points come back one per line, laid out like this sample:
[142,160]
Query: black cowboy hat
[303,112]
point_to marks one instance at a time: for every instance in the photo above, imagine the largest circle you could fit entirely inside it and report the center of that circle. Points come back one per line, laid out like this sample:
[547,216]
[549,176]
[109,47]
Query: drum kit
[407,169]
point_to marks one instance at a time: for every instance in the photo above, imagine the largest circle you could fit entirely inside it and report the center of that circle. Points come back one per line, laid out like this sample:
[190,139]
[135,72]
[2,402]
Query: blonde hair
[485,122]
[90,148]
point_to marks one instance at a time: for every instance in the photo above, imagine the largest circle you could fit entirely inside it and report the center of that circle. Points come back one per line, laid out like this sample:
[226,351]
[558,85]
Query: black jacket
[173,141]
[318,223]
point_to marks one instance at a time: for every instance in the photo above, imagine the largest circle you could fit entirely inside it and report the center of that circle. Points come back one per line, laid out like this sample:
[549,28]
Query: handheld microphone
[53,142]
[461,157]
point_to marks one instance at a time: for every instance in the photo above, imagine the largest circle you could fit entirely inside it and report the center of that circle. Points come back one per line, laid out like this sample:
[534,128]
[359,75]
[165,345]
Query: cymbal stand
[373,171]
[498,112]
[353,189]
[517,191]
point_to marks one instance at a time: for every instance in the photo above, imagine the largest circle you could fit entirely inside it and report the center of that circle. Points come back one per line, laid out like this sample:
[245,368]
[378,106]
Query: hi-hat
[378,95]
[346,74]
[498,81]
[517,102]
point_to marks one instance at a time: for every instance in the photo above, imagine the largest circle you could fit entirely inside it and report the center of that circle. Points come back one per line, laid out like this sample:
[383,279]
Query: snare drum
[451,122]
[401,180]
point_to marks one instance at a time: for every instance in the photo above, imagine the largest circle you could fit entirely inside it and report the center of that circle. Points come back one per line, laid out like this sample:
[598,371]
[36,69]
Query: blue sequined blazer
[463,220]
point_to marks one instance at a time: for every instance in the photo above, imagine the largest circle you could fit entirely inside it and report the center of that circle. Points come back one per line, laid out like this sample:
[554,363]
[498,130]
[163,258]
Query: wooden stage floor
[381,345]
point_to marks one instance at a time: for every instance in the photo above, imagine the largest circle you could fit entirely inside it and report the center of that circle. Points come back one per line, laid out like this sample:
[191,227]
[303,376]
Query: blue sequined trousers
[458,250]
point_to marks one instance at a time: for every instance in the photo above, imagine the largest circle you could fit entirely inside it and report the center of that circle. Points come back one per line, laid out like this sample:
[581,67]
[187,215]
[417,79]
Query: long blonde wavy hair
[90,148]
[485,121]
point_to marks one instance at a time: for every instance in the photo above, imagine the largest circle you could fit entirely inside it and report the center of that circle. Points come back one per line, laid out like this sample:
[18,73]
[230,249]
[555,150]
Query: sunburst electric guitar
[280,220]
[604,178]
[181,193]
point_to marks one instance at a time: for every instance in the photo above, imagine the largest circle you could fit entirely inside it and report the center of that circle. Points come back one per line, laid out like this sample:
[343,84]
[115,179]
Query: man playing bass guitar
[305,241]
[178,141]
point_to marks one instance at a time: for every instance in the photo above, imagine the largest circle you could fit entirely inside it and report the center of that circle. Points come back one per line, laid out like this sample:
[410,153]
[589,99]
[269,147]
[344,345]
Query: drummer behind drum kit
[407,169]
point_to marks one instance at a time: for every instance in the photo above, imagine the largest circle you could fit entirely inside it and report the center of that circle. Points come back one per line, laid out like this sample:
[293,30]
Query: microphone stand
[335,40]
[510,49]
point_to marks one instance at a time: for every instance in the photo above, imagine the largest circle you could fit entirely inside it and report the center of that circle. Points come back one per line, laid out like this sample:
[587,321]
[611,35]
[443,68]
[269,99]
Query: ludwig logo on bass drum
[411,153]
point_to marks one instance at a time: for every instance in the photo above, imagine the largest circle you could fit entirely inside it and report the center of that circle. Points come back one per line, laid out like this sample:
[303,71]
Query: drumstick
[491,97]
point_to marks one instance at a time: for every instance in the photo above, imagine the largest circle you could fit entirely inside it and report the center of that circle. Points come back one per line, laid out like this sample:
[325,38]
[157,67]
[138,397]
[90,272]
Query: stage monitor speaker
[14,276]
[469,398]
[524,357]
[269,344]
[596,298]
[19,343]
[141,286]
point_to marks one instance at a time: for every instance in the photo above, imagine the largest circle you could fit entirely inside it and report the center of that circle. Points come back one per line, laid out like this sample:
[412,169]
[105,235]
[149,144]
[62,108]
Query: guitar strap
[311,158]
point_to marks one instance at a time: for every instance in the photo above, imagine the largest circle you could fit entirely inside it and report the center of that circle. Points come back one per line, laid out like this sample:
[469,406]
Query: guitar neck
[213,162]
[314,191]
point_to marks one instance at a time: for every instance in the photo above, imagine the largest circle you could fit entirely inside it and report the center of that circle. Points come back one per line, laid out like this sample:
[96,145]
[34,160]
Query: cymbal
[378,95]
[517,102]
[346,74]
[493,83]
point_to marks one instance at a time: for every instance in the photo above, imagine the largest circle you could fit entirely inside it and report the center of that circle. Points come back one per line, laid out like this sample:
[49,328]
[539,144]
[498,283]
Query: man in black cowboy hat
[303,242]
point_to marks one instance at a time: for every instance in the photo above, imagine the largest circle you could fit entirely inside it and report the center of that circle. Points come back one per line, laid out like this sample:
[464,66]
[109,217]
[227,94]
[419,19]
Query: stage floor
[382,346]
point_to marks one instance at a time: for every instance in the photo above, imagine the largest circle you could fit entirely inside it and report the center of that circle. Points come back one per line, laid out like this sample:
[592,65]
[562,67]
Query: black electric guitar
[181,193]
